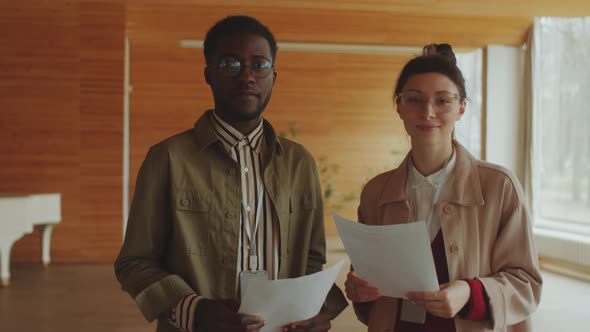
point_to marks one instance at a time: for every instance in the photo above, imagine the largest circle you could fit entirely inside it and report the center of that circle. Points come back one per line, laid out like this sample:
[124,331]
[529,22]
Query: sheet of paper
[396,259]
[285,301]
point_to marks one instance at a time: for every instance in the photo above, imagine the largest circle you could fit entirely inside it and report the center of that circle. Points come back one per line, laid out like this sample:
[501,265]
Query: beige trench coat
[488,235]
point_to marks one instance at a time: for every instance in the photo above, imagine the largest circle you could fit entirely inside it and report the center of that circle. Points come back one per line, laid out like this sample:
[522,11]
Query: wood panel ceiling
[465,23]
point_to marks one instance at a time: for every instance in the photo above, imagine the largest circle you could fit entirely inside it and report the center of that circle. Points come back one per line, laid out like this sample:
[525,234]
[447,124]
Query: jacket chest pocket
[296,235]
[192,211]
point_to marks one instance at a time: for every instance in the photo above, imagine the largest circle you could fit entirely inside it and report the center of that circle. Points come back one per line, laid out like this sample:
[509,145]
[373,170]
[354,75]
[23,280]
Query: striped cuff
[183,314]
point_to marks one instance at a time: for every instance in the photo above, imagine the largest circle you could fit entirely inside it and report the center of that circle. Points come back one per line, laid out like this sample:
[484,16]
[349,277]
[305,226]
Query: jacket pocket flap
[191,201]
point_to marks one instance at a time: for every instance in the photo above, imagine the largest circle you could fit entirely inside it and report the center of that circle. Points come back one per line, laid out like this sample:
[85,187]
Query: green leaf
[329,189]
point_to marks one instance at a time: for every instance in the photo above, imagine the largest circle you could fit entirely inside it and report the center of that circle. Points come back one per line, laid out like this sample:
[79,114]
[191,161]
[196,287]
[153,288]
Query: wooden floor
[88,298]
[67,298]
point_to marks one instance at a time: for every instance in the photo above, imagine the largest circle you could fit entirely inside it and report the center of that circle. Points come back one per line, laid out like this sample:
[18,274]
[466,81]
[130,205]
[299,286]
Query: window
[561,120]
[468,129]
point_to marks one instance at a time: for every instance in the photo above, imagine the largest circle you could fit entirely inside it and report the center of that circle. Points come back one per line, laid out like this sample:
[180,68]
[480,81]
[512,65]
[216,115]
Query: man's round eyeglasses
[232,67]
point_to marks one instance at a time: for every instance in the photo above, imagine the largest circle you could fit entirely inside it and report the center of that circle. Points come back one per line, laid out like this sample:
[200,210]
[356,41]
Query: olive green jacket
[184,222]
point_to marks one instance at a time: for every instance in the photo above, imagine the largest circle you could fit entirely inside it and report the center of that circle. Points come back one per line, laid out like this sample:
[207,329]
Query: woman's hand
[359,290]
[446,302]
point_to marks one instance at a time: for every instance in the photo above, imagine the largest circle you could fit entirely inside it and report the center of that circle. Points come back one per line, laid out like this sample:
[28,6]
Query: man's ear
[274,74]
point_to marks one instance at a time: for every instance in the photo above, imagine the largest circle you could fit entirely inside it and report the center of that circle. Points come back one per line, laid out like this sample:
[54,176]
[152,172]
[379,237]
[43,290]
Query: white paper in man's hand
[284,301]
[396,259]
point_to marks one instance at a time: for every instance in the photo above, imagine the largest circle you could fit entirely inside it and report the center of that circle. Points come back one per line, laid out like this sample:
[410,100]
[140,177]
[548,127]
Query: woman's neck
[430,159]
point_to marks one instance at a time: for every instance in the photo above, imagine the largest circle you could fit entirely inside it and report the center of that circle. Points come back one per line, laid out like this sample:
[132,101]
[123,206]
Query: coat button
[307,202]
[184,202]
[229,215]
[231,171]
[448,208]
[454,248]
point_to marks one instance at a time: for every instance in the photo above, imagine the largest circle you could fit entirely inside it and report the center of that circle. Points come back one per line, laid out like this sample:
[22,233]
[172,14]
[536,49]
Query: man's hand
[446,302]
[222,316]
[318,323]
[359,290]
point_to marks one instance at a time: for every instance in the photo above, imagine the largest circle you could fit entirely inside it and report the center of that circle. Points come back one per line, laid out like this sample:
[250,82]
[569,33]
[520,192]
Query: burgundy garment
[477,308]
[432,323]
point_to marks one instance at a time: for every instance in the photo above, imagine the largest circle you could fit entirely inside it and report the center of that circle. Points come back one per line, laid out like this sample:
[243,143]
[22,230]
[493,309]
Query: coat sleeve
[514,290]
[139,266]
[362,310]
[316,255]
[335,301]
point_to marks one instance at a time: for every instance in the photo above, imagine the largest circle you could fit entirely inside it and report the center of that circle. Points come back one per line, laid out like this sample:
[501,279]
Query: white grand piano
[18,215]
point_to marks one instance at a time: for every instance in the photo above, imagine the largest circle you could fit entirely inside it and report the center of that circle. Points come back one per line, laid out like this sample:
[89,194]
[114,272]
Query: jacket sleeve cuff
[362,310]
[477,308]
[335,302]
[159,297]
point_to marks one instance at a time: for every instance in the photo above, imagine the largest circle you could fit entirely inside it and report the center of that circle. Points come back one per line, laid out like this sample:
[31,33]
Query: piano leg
[46,231]
[5,263]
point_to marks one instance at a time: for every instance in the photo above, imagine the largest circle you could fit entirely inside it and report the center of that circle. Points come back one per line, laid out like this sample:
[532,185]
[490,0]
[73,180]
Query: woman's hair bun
[442,50]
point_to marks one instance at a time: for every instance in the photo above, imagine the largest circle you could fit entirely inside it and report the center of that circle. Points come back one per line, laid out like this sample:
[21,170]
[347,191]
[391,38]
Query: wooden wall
[102,41]
[61,97]
[40,122]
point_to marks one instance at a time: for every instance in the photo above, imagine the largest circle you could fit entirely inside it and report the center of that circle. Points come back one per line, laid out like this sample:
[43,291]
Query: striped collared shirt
[246,151]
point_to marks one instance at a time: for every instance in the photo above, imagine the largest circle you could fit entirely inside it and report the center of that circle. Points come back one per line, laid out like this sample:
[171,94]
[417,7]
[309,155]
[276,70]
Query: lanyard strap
[251,234]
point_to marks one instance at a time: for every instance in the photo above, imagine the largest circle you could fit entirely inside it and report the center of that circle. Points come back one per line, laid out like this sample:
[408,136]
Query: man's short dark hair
[233,25]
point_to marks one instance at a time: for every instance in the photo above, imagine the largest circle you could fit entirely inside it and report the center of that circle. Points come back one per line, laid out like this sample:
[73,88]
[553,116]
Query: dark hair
[435,58]
[233,25]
